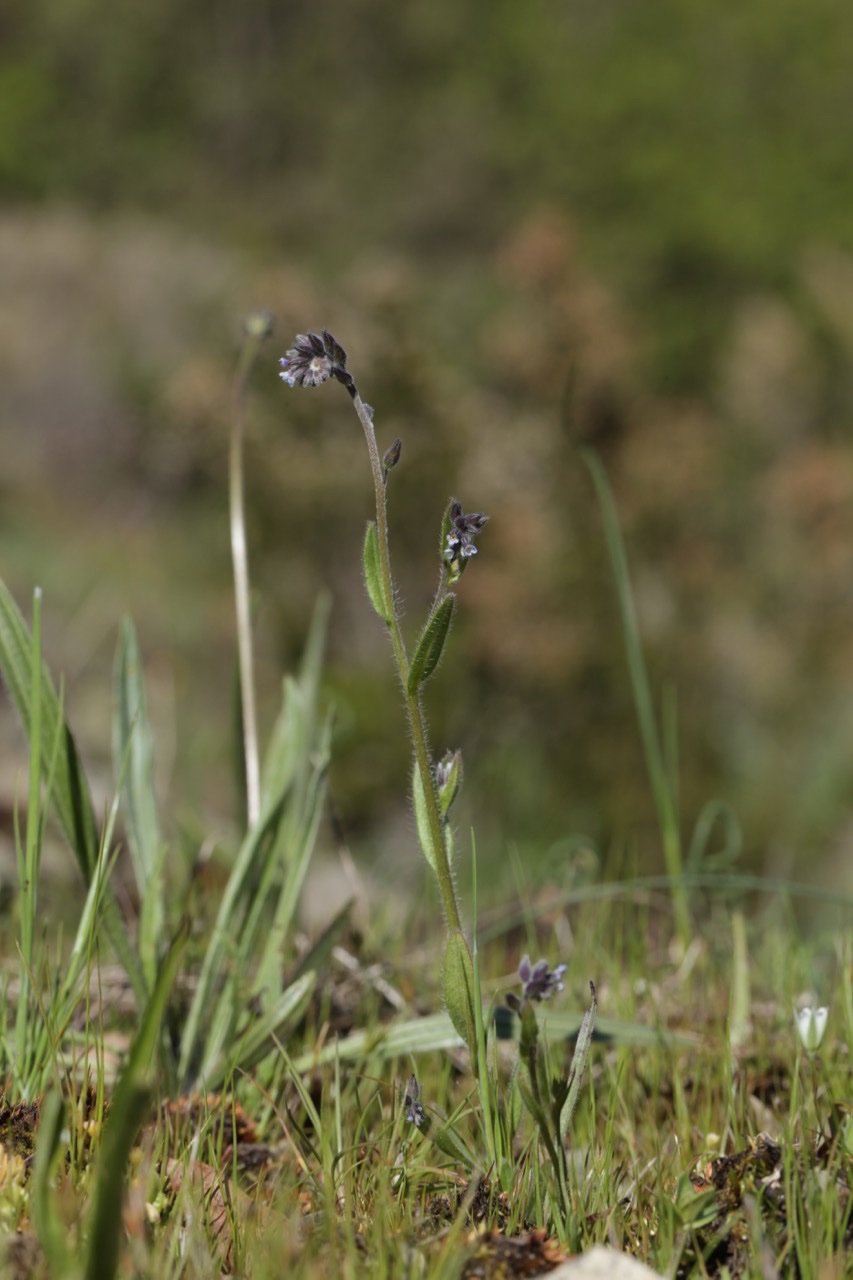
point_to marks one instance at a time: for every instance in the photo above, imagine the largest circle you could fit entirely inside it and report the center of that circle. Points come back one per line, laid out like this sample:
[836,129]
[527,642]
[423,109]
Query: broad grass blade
[436,1032]
[266,877]
[133,761]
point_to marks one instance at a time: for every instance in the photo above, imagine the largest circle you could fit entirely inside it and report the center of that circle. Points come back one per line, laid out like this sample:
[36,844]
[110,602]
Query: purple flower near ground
[414,1111]
[540,982]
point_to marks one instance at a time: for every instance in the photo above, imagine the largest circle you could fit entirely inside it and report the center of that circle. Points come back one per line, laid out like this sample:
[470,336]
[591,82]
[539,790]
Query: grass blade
[260,1036]
[436,1032]
[70,797]
[659,776]
[222,945]
[48,1224]
[133,758]
[127,1111]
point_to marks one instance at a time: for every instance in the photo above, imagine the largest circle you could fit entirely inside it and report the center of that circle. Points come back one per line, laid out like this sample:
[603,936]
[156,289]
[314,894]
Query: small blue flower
[463,530]
[540,982]
[313,359]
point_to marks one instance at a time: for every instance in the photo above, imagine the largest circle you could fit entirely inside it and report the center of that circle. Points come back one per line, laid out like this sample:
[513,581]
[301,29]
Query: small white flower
[811,1024]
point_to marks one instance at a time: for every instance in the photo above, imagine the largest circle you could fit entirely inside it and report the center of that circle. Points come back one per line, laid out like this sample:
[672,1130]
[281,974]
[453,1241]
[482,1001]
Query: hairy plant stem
[414,711]
[556,1152]
[254,338]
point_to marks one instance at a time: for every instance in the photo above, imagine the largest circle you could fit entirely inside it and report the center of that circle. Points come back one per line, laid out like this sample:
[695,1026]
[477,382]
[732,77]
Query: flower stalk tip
[258,325]
[313,359]
[463,529]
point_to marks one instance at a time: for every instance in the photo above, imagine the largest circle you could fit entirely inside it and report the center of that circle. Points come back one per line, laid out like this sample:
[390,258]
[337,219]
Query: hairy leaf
[373,579]
[431,644]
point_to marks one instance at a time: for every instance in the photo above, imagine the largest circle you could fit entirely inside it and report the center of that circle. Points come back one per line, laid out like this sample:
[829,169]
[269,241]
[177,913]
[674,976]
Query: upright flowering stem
[257,327]
[313,359]
[414,711]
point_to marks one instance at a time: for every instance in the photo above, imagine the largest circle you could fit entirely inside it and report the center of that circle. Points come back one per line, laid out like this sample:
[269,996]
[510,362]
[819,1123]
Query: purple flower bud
[414,1111]
[392,455]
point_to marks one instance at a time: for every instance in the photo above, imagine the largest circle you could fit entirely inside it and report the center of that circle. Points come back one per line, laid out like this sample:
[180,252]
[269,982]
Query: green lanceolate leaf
[449,1141]
[373,578]
[431,644]
[422,821]
[459,990]
[580,1057]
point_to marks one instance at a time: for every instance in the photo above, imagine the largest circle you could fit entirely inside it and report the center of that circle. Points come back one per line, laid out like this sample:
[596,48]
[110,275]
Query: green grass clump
[414,1100]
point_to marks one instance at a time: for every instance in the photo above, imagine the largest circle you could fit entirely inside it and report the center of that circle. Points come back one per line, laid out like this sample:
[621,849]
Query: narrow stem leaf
[373,578]
[430,647]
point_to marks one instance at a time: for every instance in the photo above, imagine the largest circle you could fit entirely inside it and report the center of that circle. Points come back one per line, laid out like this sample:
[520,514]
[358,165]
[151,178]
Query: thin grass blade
[127,1112]
[260,1036]
[665,801]
[47,1221]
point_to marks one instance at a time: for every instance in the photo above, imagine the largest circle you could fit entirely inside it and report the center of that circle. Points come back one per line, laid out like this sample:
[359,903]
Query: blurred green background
[532,226]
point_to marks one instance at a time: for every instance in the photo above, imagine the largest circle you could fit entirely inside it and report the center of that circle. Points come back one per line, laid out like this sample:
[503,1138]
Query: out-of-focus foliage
[530,225]
[695,144]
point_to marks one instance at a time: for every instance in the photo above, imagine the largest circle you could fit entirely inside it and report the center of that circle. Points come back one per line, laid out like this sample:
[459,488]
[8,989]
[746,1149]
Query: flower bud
[391,456]
[448,780]
[811,1024]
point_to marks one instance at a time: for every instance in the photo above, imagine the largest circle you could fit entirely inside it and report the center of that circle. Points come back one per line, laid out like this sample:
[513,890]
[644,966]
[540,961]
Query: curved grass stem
[257,328]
